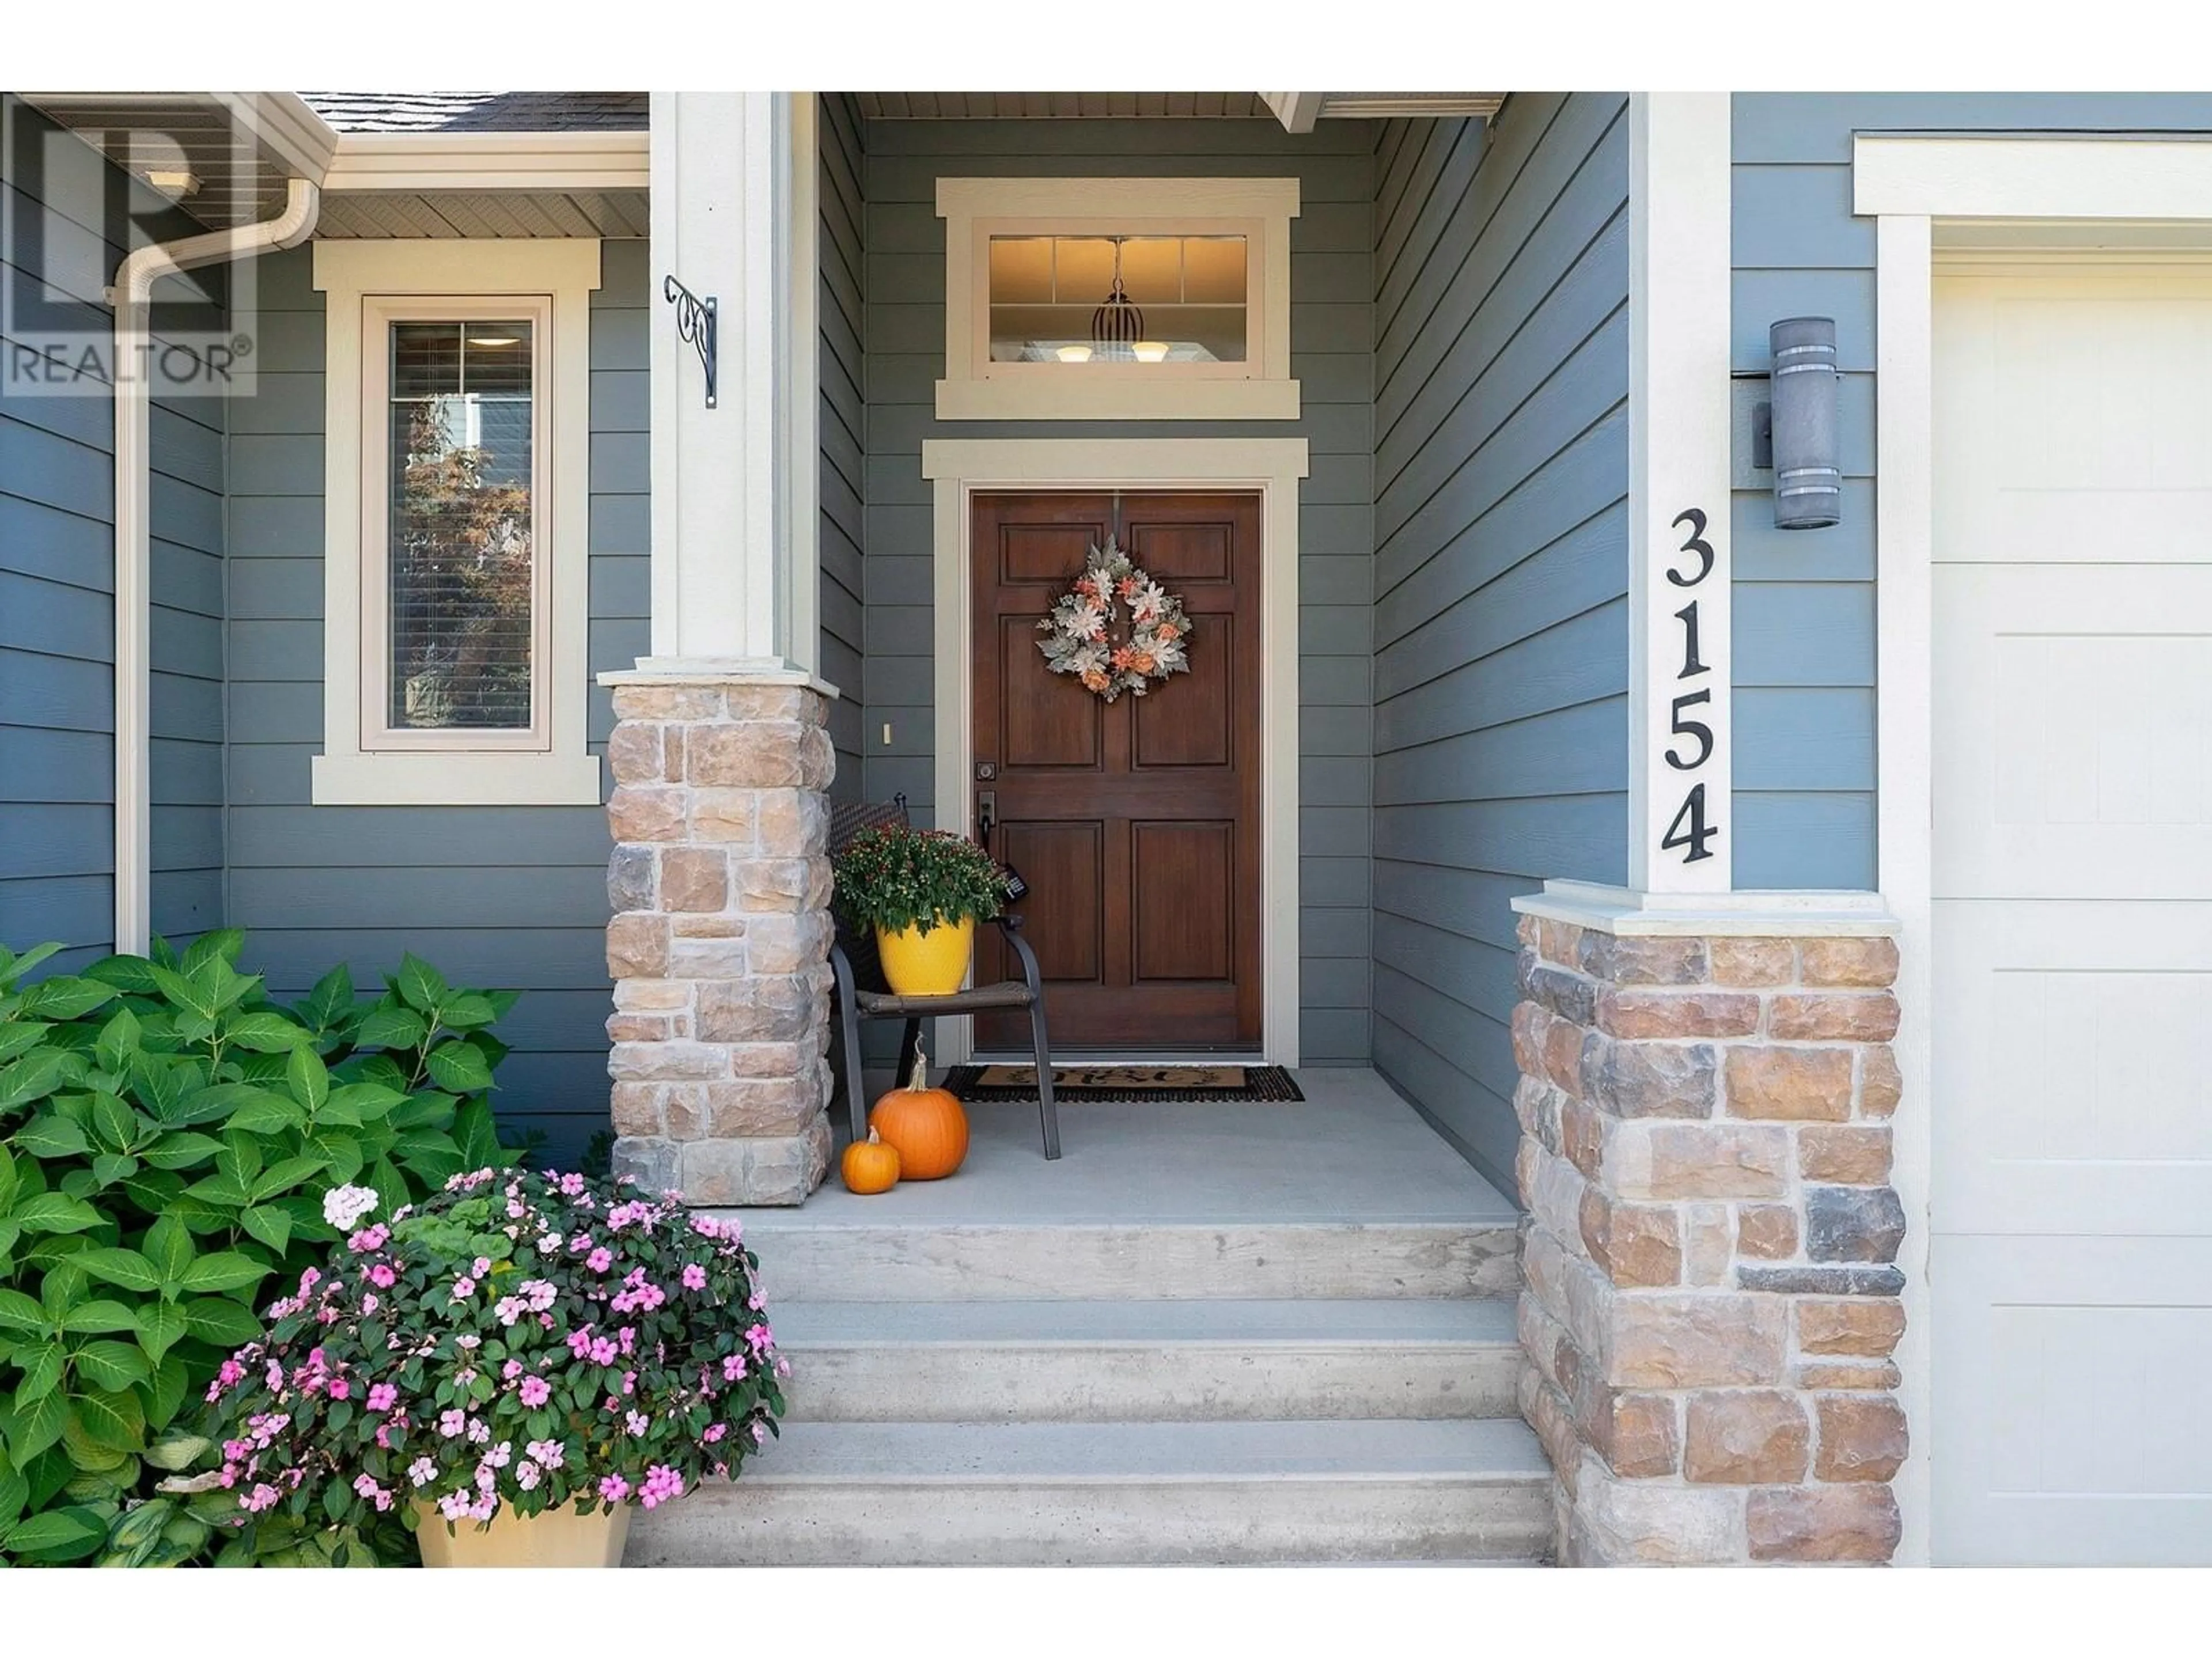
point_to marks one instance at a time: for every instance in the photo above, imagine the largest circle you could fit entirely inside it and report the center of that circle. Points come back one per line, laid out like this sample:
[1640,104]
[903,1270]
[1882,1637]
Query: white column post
[1679,650]
[735,542]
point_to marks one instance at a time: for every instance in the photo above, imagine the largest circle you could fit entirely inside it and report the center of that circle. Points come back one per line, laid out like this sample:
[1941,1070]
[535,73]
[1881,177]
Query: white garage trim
[1928,194]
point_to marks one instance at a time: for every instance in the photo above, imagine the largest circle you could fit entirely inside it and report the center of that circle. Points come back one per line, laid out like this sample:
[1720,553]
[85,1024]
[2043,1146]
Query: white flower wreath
[1081,628]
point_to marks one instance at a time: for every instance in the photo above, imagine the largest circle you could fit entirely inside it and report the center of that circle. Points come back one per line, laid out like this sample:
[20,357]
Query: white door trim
[960,467]
[1977,193]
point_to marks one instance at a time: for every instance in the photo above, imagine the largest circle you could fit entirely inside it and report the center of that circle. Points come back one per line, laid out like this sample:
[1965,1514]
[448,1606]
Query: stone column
[719,944]
[1712,1297]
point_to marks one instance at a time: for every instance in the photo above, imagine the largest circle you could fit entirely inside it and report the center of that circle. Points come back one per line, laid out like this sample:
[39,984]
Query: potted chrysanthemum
[922,891]
[512,1365]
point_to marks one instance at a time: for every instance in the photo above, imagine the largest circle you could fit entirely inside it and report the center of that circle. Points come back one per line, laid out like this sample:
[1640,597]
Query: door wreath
[1085,636]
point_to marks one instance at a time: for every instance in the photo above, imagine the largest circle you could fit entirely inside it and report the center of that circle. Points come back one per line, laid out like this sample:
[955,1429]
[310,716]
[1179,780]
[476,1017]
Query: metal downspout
[132,297]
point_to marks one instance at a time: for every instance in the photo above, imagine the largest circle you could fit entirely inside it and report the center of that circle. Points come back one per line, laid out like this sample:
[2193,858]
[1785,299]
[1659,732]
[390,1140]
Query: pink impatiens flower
[694,1276]
[536,1391]
[452,1423]
[600,1260]
[382,1396]
[612,1488]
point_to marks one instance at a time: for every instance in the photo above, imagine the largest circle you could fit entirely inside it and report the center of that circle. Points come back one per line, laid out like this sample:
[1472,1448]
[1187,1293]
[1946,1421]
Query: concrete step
[804,1260]
[1119,1362]
[1012,1494]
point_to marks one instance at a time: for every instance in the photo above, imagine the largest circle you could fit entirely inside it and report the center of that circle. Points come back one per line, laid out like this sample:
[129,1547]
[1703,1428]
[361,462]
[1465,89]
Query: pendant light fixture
[1118,322]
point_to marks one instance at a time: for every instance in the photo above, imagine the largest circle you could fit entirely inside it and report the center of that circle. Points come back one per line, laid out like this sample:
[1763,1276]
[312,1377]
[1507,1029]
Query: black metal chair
[863,993]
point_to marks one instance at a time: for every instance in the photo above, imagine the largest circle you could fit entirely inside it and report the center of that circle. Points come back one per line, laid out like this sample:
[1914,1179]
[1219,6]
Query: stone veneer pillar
[719,944]
[1712,1297]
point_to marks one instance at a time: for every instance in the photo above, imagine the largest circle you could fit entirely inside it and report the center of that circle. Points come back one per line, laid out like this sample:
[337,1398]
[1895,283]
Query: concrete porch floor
[1351,1152]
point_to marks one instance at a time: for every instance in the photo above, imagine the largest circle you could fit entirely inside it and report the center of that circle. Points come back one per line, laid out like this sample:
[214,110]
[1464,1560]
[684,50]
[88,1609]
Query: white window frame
[976,389]
[370,285]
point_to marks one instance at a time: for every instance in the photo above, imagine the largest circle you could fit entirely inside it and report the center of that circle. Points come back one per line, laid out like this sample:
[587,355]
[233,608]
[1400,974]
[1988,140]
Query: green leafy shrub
[167,1134]
[895,878]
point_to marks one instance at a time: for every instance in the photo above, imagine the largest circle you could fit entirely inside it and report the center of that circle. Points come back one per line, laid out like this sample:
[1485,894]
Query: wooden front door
[1136,824]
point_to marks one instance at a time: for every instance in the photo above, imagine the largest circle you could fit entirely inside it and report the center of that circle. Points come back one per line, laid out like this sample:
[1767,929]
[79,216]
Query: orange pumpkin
[926,1125]
[870,1165]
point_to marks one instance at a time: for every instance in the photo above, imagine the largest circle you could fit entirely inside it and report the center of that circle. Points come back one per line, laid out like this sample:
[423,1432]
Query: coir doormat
[1126,1082]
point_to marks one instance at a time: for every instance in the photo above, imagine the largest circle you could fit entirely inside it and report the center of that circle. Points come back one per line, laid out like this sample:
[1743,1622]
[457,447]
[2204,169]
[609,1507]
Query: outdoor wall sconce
[1795,433]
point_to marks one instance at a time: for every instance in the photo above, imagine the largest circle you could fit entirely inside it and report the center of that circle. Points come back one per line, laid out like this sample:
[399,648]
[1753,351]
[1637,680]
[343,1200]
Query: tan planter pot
[558,1538]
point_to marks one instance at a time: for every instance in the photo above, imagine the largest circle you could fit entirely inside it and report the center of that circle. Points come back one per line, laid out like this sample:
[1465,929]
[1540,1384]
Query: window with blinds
[461,533]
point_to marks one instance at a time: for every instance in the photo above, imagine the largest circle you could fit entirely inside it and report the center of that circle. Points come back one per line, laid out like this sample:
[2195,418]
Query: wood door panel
[1044,553]
[1181,555]
[1040,729]
[1136,824]
[1065,864]
[1172,729]
[1183,908]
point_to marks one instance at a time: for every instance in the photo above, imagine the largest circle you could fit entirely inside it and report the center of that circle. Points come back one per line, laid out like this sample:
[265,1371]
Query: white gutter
[132,297]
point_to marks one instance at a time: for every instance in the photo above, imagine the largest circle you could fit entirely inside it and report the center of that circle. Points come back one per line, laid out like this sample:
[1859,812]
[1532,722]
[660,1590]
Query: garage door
[2072,1242]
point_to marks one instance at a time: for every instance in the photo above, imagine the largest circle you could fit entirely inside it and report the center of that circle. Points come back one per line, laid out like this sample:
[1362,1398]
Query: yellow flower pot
[931,964]
[557,1538]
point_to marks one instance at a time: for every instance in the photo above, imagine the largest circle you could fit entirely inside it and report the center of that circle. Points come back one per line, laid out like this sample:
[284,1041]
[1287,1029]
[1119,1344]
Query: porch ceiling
[1060,105]
[239,148]
[1297,110]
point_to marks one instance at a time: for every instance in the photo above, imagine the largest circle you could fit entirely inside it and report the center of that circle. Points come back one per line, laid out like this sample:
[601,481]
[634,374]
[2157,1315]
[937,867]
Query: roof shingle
[481,111]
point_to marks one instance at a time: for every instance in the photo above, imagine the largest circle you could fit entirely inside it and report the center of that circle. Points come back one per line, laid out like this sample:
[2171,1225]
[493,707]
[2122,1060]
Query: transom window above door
[1117,299]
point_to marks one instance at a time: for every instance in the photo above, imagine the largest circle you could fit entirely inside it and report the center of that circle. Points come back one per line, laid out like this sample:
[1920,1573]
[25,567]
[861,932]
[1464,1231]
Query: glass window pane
[1151,269]
[1085,270]
[426,359]
[462,542]
[1046,293]
[1021,270]
[1213,269]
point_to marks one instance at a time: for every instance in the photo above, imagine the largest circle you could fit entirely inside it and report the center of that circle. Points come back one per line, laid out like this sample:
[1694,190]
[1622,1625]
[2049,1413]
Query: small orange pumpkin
[870,1165]
[926,1125]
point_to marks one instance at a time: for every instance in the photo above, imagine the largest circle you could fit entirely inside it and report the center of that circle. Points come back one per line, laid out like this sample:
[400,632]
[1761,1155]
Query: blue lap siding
[842,324]
[1501,481]
[1332,314]
[1805,696]
[57,580]
[512,897]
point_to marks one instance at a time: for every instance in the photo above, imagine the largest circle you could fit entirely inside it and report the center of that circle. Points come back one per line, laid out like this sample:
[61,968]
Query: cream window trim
[369,284]
[976,209]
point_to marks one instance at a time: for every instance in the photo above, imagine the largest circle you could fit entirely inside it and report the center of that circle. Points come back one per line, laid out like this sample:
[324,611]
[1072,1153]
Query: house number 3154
[1690,744]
